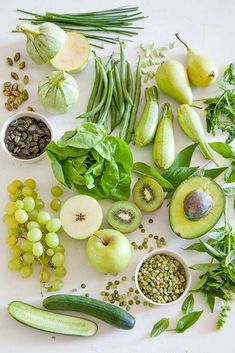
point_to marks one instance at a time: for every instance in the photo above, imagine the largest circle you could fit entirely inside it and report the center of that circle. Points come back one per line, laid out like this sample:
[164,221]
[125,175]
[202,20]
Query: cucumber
[106,312]
[51,322]
[74,55]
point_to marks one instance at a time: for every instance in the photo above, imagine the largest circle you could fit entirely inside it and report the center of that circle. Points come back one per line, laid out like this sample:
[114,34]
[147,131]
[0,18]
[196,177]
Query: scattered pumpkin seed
[26,79]
[30,109]
[21,65]
[17,57]
[10,61]
[14,75]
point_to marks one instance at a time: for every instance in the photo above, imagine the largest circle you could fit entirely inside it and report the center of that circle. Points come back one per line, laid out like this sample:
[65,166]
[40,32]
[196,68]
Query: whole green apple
[108,251]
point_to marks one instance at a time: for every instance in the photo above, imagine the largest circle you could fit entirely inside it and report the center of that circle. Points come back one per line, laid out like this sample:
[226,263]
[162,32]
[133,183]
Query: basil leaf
[223,149]
[178,175]
[188,304]
[145,169]
[214,172]
[218,233]
[160,327]
[212,251]
[229,176]
[184,157]
[197,247]
[205,267]
[187,321]
[210,299]
[219,293]
[228,191]
[230,258]
[200,284]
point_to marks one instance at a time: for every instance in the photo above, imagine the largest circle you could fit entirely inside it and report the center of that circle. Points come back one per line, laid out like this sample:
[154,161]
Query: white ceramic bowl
[13,117]
[177,257]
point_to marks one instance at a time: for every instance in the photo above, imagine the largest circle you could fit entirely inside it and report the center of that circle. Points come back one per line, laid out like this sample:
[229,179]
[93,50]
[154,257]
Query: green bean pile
[114,101]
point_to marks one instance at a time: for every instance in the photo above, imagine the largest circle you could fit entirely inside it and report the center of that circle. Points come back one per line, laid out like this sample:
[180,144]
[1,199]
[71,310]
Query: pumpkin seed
[26,79]
[14,75]
[10,61]
[16,57]
[21,65]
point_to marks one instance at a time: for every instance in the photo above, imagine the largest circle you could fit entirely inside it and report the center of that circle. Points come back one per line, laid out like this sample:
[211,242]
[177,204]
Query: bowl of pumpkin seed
[162,277]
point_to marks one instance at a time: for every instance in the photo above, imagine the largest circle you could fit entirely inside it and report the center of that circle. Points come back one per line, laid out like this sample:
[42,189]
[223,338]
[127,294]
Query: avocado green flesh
[189,229]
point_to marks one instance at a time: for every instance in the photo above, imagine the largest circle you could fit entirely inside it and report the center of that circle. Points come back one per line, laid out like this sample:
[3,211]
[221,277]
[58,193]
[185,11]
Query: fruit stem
[102,241]
[179,38]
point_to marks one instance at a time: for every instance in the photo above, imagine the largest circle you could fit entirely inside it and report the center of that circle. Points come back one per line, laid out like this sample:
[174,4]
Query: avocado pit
[197,204]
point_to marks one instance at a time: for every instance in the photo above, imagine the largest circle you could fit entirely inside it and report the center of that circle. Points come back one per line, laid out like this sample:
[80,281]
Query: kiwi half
[124,216]
[148,194]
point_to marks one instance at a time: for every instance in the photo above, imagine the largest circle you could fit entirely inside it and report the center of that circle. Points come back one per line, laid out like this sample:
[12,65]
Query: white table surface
[209,26]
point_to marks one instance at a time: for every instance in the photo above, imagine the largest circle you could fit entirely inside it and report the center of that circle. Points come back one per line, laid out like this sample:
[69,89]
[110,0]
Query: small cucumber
[106,312]
[51,322]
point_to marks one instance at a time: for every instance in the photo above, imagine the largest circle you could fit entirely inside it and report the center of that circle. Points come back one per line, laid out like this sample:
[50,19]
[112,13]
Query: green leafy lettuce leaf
[97,164]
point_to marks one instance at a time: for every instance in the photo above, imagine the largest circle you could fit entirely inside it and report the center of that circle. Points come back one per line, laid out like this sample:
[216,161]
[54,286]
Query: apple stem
[179,38]
[102,241]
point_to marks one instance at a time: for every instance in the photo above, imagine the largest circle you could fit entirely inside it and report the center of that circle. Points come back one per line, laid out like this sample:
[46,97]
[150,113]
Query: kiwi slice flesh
[124,216]
[148,194]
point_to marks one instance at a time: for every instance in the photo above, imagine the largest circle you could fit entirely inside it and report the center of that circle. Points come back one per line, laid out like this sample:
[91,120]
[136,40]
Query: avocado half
[192,214]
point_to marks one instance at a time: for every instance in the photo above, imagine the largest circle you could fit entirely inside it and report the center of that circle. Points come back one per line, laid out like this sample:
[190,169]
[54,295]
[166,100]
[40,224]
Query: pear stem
[179,38]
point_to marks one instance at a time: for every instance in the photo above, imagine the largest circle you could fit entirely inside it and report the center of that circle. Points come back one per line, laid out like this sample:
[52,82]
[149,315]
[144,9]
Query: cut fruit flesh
[148,194]
[189,229]
[81,216]
[124,216]
[74,55]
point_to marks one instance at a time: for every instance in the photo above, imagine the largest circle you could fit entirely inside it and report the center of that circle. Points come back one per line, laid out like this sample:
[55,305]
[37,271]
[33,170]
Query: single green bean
[113,114]
[97,99]
[104,114]
[104,78]
[121,104]
[123,75]
[136,102]
[94,91]
[126,116]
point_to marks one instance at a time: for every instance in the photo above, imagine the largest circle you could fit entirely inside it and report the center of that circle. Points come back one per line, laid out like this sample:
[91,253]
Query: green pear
[202,71]
[172,79]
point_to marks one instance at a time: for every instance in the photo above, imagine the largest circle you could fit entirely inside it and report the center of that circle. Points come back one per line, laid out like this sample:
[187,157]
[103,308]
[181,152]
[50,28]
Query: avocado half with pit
[196,206]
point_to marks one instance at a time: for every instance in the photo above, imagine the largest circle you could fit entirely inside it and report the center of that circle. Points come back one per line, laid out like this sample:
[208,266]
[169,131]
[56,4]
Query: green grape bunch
[32,234]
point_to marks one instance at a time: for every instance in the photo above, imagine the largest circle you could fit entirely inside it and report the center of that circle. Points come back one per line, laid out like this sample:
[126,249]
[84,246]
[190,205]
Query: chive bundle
[117,21]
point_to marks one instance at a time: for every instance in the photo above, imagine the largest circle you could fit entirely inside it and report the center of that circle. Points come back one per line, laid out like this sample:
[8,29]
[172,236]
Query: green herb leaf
[188,304]
[212,251]
[205,267]
[197,247]
[230,258]
[160,327]
[228,191]
[223,149]
[229,176]
[210,299]
[200,284]
[218,233]
[178,175]
[184,157]
[187,321]
[214,172]
[144,169]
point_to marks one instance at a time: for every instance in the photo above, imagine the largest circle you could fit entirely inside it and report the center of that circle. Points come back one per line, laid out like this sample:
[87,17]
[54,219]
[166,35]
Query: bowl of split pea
[162,277]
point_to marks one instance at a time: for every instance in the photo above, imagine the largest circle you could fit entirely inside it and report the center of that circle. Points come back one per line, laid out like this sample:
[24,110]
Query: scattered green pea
[150,220]
[83,285]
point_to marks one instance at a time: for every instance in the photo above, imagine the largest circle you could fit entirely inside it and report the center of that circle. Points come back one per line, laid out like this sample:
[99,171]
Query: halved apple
[81,216]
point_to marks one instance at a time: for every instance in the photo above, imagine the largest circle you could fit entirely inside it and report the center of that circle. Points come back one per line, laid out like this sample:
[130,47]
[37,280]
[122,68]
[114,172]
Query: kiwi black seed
[148,194]
[124,216]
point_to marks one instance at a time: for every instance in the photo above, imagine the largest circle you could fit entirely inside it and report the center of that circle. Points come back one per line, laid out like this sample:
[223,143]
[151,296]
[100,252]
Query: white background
[209,27]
